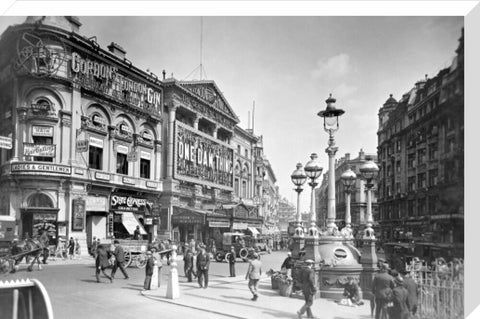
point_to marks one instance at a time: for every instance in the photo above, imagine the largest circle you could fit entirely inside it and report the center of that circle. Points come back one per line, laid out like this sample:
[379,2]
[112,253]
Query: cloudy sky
[288,66]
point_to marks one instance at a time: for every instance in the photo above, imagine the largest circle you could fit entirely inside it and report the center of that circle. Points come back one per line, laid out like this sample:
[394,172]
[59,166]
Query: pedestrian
[253,275]
[309,288]
[188,262]
[203,264]
[136,233]
[412,289]
[400,294]
[382,289]
[119,259]
[287,264]
[71,248]
[93,247]
[101,262]
[44,242]
[231,261]
[148,270]
[353,292]
[77,248]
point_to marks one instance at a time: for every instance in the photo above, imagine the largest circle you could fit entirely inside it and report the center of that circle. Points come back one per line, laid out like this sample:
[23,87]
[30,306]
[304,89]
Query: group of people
[196,263]
[102,257]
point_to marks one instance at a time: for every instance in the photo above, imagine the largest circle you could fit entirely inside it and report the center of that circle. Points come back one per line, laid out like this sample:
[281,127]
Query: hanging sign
[43,150]
[42,130]
[78,214]
[82,146]
[6,142]
[132,156]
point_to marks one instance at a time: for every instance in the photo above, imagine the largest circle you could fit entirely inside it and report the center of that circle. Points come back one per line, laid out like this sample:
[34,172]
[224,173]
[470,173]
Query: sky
[288,66]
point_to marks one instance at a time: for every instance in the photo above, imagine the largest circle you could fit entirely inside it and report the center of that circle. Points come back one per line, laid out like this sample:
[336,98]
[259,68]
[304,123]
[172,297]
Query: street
[75,294]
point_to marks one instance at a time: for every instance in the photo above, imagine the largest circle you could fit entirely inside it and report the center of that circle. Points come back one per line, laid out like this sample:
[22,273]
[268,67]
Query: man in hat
[231,256]
[400,295]
[288,264]
[148,270]
[253,275]
[101,262]
[119,259]
[382,286]
[188,262]
[412,289]
[309,289]
[353,292]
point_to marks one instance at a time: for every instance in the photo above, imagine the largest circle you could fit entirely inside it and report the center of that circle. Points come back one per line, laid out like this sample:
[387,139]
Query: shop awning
[253,230]
[131,222]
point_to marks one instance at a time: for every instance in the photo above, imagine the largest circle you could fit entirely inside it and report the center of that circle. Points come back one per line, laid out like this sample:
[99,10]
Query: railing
[440,293]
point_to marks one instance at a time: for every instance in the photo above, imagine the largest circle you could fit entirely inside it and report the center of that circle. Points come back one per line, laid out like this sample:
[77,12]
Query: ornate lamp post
[298,178]
[330,124]
[369,171]
[313,170]
[348,179]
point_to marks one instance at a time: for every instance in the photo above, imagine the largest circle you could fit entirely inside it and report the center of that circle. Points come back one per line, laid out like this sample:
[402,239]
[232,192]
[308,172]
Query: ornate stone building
[421,156]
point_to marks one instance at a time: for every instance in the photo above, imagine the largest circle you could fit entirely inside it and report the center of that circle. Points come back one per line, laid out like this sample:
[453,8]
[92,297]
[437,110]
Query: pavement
[230,297]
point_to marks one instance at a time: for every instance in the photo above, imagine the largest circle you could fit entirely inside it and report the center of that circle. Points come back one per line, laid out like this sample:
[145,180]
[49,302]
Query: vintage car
[238,241]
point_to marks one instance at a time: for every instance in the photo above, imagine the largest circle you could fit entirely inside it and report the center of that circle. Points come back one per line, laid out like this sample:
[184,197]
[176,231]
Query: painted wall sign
[105,78]
[95,142]
[128,180]
[33,167]
[96,203]
[31,149]
[145,155]
[201,159]
[122,149]
[42,130]
[78,214]
[129,203]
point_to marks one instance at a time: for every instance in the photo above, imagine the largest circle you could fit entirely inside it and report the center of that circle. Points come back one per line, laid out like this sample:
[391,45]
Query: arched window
[40,200]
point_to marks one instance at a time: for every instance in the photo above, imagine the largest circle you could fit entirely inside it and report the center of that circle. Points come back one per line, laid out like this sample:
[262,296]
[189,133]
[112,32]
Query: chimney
[117,50]
[361,154]
[347,157]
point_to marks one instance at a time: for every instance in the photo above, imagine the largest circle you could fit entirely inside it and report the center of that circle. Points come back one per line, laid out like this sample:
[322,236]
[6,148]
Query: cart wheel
[141,261]
[243,253]
[219,257]
[128,258]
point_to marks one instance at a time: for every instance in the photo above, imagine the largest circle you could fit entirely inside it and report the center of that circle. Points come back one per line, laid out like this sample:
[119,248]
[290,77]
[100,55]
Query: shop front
[40,215]
[188,223]
[126,213]
[219,222]
[96,217]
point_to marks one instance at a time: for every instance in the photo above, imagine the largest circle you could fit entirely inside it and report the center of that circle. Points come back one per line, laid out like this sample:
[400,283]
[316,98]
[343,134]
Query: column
[66,129]
[20,133]
[331,213]
[171,138]
[76,100]
[158,160]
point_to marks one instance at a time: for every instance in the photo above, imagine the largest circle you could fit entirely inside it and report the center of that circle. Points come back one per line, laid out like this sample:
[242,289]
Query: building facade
[86,129]
[92,146]
[421,156]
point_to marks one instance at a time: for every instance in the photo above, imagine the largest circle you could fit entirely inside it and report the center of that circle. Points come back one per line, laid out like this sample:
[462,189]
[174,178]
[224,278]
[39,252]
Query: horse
[29,248]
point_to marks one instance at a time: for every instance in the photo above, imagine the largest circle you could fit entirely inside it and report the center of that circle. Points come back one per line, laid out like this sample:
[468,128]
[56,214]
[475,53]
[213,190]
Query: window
[421,208]
[411,208]
[122,164]
[432,151]
[422,180]
[95,157]
[244,189]
[399,146]
[43,140]
[144,168]
[432,204]
[411,161]
[236,186]
[399,166]
[239,149]
[432,177]
[246,153]
[421,156]
[411,183]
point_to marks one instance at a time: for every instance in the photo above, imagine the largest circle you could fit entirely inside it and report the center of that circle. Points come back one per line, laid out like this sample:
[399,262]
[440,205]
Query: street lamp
[331,125]
[313,170]
[369,171]
[348,179]
[299,178]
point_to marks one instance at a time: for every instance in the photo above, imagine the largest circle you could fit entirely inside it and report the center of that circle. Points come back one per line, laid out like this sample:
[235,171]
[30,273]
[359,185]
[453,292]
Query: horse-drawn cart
[135,252]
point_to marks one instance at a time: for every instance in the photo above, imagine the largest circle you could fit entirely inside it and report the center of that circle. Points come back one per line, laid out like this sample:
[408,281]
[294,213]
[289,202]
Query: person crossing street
[119,259]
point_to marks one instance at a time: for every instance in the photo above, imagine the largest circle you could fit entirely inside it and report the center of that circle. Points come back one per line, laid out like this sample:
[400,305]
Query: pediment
[208,92]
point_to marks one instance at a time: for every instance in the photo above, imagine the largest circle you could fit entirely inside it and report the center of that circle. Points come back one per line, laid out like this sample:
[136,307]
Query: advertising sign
[6,142]
[82,146]
[43,150]
[201,159]
[28,167]
[96,203]
[132,156]
[122,202]
[78,214]
[42,131]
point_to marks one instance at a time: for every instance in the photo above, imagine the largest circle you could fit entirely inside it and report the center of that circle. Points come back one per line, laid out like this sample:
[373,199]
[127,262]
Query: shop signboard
[201,159]
[42,131]
[78,214]
[123,202]
[96,203]
[29,167]
[219,224]
[43,150]
[6,142]
[240,226]
[132,156]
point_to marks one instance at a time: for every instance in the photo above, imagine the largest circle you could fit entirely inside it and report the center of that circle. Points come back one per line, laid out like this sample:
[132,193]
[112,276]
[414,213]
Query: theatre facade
[81,135]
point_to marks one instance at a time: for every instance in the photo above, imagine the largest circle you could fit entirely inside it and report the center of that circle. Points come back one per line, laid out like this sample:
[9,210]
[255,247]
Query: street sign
[6,142]
[132,156]
[82,146]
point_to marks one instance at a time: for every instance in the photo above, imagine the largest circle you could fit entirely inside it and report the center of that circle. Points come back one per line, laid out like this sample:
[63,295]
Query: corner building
[86,128]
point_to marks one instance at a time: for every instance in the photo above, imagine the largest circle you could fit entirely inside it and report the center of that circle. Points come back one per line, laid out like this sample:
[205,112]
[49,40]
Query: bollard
[154,282]
[173,289]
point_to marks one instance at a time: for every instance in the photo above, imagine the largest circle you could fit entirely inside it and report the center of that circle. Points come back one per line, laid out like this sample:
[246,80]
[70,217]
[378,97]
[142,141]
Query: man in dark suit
[101,262]
[382,287]
[148,270]
[231,261]
[307,278]
[203,263]
[412,288]
[188,262]
[119,259]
